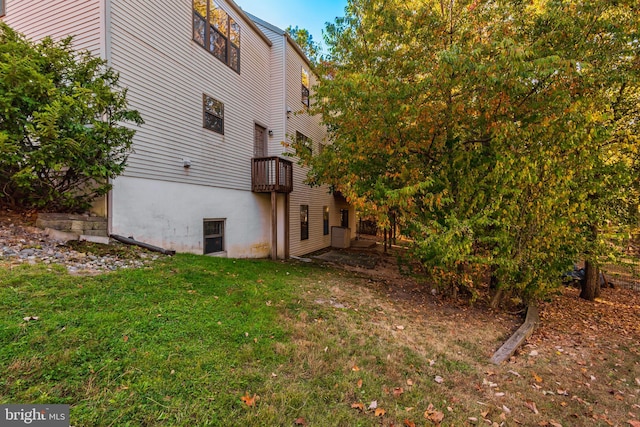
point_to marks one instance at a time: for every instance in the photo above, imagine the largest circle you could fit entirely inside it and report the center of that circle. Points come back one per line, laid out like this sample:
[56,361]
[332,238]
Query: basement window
[213,236]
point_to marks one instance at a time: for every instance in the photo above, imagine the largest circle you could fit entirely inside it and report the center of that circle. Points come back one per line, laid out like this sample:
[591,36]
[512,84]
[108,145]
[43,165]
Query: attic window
[216,31]
[212,114]
[305,87]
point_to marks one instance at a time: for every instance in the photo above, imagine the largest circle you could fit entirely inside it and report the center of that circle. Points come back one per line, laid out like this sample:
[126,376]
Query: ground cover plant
[196,341]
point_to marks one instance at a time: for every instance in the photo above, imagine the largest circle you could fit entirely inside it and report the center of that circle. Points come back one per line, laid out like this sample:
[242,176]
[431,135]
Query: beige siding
[81,19]
[317,197]
[278,117]
[167,73]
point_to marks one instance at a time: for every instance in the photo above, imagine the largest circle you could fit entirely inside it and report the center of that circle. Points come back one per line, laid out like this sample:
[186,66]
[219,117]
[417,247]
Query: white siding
[81,19]
[167,74]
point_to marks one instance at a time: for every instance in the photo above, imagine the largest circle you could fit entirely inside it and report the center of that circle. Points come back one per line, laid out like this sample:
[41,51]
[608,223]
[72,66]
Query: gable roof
[250,20]
[281,33]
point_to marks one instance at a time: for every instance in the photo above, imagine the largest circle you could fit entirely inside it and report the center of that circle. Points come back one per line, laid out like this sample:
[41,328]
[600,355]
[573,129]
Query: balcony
[271,174]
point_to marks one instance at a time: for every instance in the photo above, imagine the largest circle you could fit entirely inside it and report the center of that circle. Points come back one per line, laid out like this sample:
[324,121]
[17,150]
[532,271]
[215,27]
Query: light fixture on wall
[270,132]
[289,111]
[186,163]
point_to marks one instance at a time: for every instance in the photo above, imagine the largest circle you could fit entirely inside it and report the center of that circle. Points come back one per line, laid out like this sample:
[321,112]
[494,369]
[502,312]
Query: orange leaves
[358,405]
[250,401]
[433,415]
[379,412]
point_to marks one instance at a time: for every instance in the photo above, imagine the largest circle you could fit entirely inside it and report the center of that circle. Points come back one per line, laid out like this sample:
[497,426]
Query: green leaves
[63,124]
[515,122]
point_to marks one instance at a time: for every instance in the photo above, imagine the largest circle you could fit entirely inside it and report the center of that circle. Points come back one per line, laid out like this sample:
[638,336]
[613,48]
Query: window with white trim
[305,87]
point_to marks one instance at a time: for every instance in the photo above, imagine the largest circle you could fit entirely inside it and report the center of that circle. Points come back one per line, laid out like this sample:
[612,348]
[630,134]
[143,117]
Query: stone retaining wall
[73,223]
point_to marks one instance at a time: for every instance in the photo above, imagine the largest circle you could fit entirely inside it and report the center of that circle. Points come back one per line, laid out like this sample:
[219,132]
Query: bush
[63,132]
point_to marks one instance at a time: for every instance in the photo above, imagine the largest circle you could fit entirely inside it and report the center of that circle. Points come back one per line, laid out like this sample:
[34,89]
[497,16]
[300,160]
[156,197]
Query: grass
[180,343]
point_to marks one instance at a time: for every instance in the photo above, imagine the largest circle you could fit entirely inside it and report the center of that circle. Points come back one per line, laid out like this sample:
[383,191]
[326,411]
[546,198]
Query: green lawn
[182,342]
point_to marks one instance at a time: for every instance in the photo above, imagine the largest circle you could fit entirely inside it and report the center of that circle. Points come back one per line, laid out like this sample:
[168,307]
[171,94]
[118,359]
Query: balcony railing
[269,174]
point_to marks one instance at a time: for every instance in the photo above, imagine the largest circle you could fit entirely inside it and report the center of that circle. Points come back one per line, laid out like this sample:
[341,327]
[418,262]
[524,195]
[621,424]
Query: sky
[308,14]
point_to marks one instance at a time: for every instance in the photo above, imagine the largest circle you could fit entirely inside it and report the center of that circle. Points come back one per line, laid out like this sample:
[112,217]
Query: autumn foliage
[502,134]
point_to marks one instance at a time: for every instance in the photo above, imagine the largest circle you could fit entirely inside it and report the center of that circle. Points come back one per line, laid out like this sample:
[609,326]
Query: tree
[63,131]
[304,39]
[493,128]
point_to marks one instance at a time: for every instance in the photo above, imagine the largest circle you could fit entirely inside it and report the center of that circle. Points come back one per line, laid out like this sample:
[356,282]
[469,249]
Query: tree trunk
[591,283]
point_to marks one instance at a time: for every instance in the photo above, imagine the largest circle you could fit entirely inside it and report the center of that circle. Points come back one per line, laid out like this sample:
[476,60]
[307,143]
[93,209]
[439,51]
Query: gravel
[21,243]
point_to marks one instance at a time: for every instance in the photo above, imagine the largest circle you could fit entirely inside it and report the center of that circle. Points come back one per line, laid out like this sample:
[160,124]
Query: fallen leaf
[358,406]
[537,378]
[506,409]
[360,383]
[397,392]
[501,394]
[248,400]
[191,291]
[29,318]
[433,415]
[554,423]
[514,373]
[409,382]
[638,381]
[355,368]
[373,404]
[300,422]
[531,405]
[400,327]
[484,414]
[432,362]
[438,379]
[125,338]
[379,412]
[634,423]
[409,423]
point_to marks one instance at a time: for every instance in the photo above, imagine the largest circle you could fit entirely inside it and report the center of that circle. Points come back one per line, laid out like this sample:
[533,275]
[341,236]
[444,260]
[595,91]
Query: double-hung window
[212,114]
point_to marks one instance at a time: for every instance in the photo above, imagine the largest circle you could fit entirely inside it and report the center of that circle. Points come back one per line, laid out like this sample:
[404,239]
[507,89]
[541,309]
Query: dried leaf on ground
[379,412]
[634,423]
[531,405]
[438,379]
[397,392]
[409,423]
[433,415]
[249,400]
[355,368]
[300,422]
[360,383]
[358,405]
[373,404]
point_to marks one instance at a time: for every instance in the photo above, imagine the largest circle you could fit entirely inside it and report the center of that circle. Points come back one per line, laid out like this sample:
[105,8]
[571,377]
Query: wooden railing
[269,174]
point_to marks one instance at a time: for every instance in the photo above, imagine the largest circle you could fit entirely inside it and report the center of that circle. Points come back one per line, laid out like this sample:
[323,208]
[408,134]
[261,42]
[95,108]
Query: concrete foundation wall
[170,215]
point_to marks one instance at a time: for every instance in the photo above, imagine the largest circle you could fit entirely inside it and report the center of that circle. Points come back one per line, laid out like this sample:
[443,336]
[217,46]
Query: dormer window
[216,31]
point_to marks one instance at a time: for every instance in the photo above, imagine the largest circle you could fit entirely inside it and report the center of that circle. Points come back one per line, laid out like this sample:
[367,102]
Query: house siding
[167,74]
[81,19]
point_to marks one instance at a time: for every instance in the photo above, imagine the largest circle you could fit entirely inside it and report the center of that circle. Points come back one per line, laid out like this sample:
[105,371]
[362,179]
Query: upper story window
[1,7]
[305,87]
[212,114]
[304,142]
[217,32]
